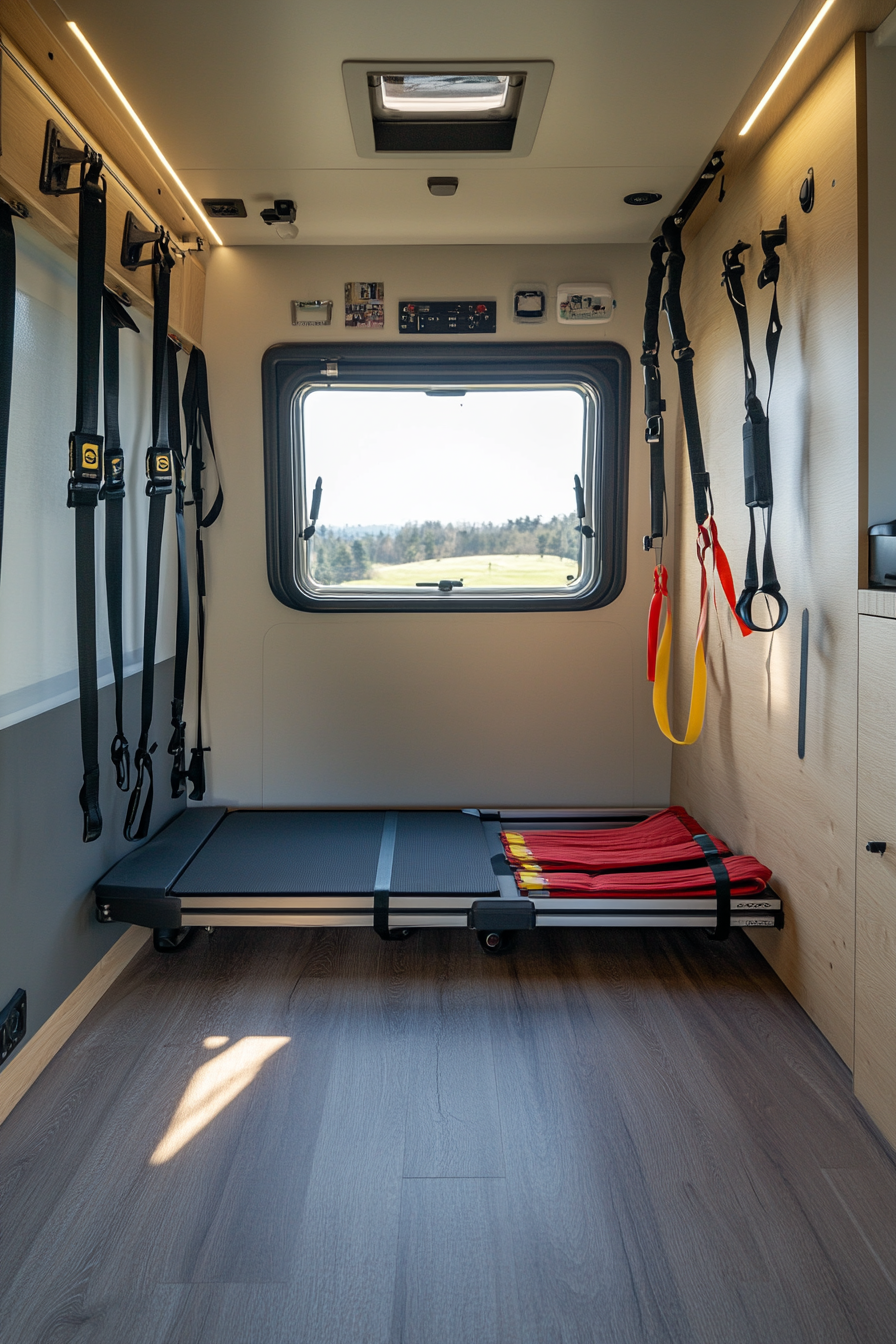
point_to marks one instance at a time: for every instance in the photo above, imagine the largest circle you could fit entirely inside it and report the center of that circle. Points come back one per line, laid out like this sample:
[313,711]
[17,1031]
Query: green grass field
[477,571]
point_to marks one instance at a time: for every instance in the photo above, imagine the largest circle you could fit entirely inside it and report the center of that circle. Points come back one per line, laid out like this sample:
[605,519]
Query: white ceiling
[247,99]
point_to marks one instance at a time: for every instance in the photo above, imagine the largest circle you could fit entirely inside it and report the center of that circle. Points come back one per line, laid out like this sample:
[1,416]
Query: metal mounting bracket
[58,158]
[134,240]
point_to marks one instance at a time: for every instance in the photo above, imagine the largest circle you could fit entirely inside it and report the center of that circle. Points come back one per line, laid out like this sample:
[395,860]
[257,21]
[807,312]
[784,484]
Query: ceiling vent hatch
[445,108]
[224,207]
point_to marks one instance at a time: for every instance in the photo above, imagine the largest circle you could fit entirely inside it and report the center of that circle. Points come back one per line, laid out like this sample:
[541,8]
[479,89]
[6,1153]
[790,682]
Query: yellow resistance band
[698,684]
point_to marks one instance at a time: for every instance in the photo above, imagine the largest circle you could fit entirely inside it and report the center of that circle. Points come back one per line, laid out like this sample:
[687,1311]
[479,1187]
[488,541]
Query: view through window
[471,487]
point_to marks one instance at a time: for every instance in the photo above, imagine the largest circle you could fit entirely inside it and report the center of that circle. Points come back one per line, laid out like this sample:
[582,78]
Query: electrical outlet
[13,1024]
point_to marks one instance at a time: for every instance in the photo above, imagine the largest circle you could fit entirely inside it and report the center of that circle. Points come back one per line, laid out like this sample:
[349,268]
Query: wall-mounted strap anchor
[58,158]
[807,192]
[133,241]
[772,239]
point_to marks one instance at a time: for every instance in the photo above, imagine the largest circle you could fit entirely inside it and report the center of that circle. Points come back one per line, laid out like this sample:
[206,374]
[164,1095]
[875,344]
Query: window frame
[601,368]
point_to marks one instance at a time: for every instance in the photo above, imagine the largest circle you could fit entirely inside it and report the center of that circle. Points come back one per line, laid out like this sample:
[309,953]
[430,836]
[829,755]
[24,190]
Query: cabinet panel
[875,1051]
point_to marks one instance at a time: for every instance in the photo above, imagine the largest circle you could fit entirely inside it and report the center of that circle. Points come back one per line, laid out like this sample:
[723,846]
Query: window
[468,477]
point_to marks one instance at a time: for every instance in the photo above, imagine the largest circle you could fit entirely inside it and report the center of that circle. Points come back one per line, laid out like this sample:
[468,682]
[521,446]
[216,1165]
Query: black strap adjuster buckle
[113,475]
[654,431]
[159,471]
[85,473]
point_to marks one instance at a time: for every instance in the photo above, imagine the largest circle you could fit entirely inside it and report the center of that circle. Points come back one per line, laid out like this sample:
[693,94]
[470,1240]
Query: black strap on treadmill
[85,472]
[383,880]
[158,487]
[758,491]
[177,747]
[197,418]
[723,887]
[115,317]
[7,333]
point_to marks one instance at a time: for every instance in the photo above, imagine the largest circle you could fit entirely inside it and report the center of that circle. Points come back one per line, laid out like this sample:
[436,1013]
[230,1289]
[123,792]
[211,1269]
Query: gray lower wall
[50,938]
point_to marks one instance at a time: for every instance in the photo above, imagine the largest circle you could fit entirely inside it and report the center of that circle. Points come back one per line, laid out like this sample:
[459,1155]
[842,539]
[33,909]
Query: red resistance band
[708,548]
[748,878]
[671,827]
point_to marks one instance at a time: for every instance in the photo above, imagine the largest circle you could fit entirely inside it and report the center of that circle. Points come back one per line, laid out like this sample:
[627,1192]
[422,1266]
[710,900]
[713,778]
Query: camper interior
[447,832]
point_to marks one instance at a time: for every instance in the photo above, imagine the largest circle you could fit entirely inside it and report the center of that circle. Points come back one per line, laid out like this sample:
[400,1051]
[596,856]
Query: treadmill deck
[386,870]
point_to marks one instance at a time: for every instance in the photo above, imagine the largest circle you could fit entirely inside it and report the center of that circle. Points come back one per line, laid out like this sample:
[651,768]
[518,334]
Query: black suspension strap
[115,318]
[197,418]
[177,746]
[7,333]
[667,261]
[158,487]
[758,489]
[85,471]
[654,405]
[723,887]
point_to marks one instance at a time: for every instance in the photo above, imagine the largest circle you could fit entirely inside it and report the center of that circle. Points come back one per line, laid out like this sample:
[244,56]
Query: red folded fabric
[585,850]
[583,858]
[748,877]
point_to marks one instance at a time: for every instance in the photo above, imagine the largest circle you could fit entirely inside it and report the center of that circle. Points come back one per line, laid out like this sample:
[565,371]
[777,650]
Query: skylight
[415,94]
[445,107]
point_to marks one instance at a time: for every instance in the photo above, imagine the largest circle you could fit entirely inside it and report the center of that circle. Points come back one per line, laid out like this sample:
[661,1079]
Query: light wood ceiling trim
[845,18]
[25,112]
[41,34]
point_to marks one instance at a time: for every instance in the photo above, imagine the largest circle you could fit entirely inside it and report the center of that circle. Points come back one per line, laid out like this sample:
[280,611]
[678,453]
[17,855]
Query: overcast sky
[390,457]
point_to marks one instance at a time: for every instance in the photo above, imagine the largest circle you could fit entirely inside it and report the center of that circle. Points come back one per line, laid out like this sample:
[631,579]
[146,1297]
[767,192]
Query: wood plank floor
[287,1136]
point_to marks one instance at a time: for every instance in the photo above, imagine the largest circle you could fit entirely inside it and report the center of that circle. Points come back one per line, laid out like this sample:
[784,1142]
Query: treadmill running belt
[441,852]
[333,852]
[289,852]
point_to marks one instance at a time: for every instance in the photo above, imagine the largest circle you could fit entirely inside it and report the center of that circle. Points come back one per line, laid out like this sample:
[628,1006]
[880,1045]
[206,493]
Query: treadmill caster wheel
[396,935]
[493,943]
[171,940]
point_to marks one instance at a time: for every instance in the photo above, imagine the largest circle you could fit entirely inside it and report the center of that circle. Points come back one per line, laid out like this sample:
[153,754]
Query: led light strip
[788,63]
[199,212]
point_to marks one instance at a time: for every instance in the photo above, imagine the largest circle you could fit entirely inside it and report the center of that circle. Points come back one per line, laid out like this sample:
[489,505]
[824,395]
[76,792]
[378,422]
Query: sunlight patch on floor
[214,1086]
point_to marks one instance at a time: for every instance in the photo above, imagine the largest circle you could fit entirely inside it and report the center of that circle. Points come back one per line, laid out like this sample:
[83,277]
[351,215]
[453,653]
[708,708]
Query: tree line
[341,556]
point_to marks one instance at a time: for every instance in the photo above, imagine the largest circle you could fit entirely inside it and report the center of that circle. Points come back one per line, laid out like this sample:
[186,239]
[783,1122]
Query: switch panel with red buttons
[434,317]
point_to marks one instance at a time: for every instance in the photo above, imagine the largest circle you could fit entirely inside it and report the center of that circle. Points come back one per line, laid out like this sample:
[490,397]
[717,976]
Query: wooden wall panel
[875,1060]
[24,113]
[743,778]
[39,33]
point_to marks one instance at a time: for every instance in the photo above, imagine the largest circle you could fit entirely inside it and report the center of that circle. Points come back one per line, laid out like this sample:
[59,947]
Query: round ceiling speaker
[643,198]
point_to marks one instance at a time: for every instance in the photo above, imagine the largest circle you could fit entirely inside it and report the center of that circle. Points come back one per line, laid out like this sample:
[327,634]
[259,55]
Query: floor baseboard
[32,1058]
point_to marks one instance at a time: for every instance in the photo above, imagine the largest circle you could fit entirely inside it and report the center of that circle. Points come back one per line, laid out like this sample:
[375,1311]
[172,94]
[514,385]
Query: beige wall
[404,709]
[743,777]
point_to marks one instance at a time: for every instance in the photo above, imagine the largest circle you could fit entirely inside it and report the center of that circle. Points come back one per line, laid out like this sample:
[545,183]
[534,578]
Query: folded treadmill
[392,871]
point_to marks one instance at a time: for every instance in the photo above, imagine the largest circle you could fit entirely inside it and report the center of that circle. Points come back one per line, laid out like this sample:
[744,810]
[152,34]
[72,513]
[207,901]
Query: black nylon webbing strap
[177,746]
[654,405]
[158,487]
[662,268]
[723,887]
[115,317]
[85,473]
[197,418]
[683,355]
[758,489]
[7,334]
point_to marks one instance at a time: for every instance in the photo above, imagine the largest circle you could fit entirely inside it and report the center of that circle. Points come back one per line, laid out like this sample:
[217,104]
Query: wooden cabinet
[875,1045]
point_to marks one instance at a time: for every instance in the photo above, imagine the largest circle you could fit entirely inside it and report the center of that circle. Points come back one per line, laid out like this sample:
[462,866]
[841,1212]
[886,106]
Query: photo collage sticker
[364,304]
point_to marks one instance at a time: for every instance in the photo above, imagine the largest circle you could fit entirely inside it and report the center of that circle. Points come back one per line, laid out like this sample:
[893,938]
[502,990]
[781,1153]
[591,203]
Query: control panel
[435,317]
